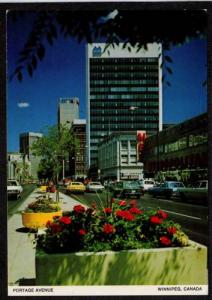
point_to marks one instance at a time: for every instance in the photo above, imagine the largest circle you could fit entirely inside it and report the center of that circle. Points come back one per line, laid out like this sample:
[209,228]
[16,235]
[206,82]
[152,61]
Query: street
[192,217]
[13,204]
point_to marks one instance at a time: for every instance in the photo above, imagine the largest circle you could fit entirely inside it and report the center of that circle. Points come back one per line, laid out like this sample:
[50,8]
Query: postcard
[107,149]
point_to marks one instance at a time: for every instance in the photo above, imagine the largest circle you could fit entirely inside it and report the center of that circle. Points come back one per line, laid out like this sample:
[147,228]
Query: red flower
[55,227]
[162,214]
[122,203]
[135,210]
[172,230]
[155,220]
[112,200]
[165,241]
[82,232]
[79,209]
[108,210]
[108,228]
[125,214]
[65,220]
[48,224]
[133,203]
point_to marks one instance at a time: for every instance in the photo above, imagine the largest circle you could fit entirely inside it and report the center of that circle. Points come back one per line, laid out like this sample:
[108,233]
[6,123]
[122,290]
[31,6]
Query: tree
[53,146]
[45,169]
[113,25]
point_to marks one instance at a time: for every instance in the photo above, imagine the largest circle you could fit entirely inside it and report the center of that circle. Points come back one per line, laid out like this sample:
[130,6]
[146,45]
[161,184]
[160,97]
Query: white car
[94,187]
[146,184]
[14,189]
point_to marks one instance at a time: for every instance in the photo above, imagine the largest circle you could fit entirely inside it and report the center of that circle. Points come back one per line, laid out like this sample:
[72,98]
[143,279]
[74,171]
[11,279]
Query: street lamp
[132,108]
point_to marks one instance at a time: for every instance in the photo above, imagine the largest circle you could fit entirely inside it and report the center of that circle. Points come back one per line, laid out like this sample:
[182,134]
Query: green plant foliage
[114,25]
[122,227]
[56,143]
[43,204]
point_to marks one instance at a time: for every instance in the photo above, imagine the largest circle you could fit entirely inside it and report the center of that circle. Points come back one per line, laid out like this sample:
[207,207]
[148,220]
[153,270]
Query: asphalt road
[192,217]
[13,204]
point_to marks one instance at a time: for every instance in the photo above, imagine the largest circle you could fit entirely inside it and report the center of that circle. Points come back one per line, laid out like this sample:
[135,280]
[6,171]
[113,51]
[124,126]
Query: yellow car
[43,188]
[75,187]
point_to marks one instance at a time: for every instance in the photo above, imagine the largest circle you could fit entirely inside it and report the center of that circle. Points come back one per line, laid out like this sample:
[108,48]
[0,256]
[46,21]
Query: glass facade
[115,85]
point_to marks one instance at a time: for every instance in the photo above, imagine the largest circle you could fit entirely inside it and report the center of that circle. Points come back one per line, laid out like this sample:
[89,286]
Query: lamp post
[132,108]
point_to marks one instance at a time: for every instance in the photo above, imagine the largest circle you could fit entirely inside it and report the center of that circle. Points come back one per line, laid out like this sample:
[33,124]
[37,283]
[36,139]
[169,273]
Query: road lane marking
[174,213]
[196,218]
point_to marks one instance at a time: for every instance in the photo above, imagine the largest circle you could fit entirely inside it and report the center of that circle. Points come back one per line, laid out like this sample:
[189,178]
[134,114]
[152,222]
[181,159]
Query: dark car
[166,189]
[126,189]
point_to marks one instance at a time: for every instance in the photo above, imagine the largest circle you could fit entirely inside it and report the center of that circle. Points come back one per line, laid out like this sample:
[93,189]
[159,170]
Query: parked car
[75,187]
[146,184]
[14,189]
[94,187]
[126,189]
[167,189]
[198,192]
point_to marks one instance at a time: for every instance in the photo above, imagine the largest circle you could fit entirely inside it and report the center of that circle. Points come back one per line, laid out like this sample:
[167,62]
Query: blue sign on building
[97,51]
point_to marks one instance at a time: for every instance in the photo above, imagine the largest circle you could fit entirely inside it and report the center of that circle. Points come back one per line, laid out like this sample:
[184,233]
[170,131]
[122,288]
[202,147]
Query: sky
[32,104]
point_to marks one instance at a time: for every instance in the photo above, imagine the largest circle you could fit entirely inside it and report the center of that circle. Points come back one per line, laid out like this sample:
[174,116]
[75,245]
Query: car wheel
[182,197]
[168,196]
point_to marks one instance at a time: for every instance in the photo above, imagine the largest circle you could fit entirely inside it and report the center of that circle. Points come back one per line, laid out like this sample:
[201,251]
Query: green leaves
[129,26]
[53,146]
[168,58]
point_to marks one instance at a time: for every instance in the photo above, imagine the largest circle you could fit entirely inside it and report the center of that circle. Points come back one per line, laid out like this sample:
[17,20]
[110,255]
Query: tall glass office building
[124,92]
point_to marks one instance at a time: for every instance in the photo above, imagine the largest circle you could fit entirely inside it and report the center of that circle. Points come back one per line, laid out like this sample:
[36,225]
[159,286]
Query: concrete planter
[38,220]
[163,266]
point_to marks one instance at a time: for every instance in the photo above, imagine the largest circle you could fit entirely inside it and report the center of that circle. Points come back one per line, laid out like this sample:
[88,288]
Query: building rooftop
[79,122]
[69,100]
[38,134]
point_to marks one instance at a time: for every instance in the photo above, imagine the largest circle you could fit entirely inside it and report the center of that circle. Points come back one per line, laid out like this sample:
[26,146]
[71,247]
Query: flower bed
[122,227]
[39,212]
[119,245]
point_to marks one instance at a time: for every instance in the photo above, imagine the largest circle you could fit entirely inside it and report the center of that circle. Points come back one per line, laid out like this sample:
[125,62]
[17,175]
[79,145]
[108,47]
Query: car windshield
[95,183]
[76,183]
[11,183]
[130,185]
[176,184]
[148,182]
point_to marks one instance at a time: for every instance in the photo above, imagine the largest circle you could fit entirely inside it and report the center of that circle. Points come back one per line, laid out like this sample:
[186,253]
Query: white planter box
[163,266]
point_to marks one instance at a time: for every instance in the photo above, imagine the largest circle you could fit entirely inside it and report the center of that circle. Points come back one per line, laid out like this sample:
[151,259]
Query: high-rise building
[78,156]
[26,140]
[68,110]
[124,92]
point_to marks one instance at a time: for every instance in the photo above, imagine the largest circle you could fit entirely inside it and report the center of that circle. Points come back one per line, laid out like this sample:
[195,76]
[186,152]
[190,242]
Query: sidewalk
[21,252]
